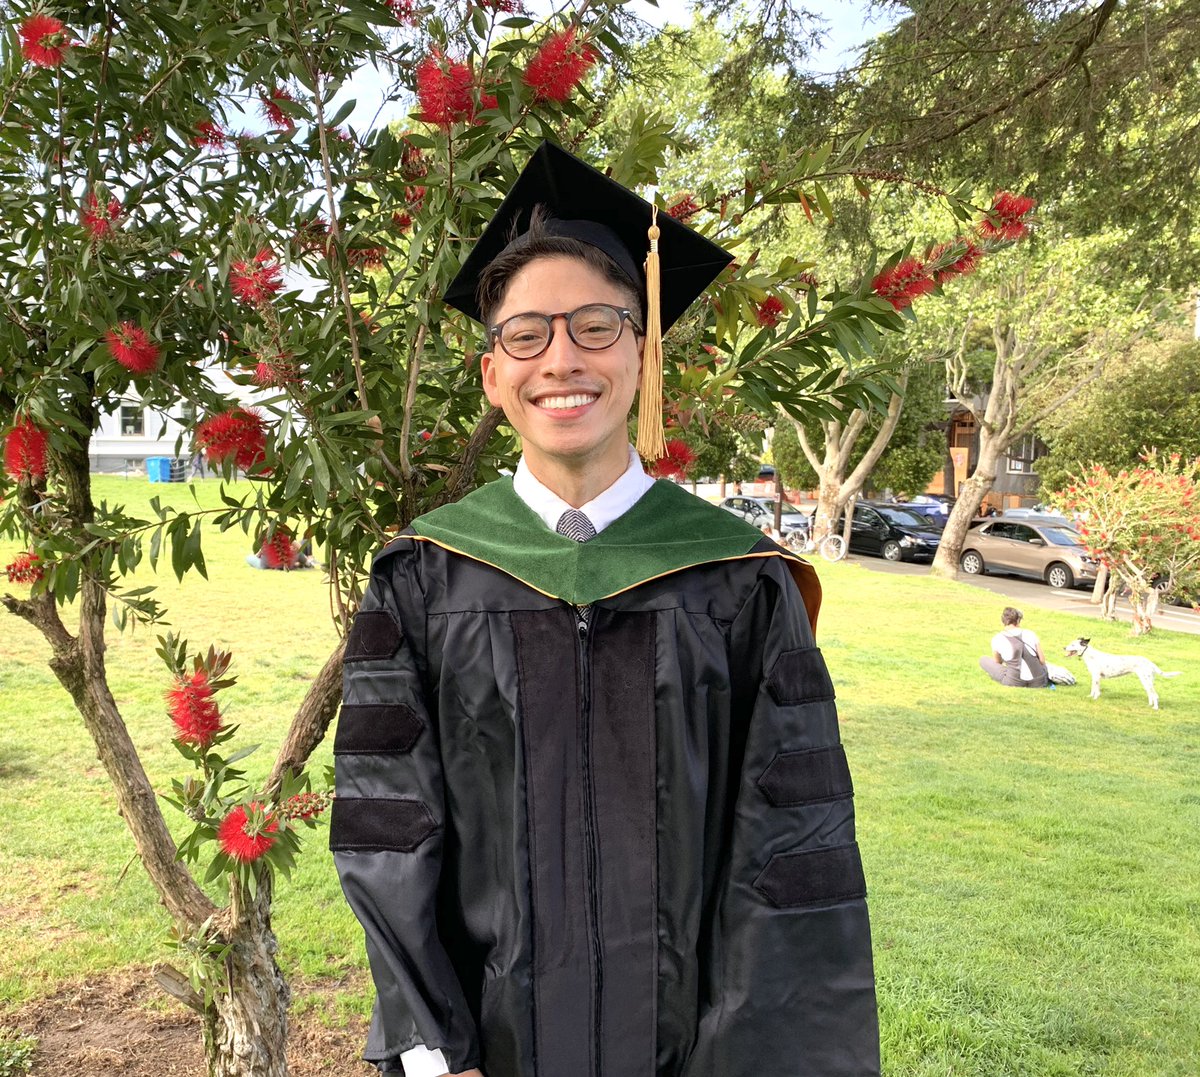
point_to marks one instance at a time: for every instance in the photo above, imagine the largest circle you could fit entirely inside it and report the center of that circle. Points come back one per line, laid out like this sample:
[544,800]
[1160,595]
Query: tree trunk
[1101,586]
[966,508]
[246,1024]
[829,505]
[1108,604]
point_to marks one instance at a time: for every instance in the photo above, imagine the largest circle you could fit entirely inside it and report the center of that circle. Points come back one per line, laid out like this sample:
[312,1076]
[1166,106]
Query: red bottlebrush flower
[237,434]
[276,371]
[279,551]
[506,7]
[685,209]
[304,806]
[209,133]
[96,220]
[401,222]
[770,310]
[444,90]
[192,708]
[275,115]
[404,11]
[903,283]
[366,257]
[413,162]
[25,451]
[130,346]
[558,66]
[965,263]
[416,198]
[1006,218]
[242,841]
[25,568]
[676,463]
[255,281]
[43,40]
[807,279]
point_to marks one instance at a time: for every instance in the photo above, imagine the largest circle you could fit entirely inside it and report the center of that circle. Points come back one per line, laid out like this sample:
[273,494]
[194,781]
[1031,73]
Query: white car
[761,510]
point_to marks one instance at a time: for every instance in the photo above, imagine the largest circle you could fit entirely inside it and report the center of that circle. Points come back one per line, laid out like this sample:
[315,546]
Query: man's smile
[564,401]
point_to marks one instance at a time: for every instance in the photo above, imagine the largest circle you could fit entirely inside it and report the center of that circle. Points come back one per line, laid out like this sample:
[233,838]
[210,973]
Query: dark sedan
[892,532]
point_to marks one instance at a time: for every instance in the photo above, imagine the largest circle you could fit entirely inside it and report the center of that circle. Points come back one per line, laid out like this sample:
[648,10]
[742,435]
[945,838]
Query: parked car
[1044,548]
[932,499]
[761,510]
[935,512]
[899,534]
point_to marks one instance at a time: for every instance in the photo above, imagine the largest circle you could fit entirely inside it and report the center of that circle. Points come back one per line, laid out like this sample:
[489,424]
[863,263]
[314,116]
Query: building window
[133,421]
[1022,454]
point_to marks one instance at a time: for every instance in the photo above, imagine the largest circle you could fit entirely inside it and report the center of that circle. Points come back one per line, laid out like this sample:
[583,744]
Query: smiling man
[592,809]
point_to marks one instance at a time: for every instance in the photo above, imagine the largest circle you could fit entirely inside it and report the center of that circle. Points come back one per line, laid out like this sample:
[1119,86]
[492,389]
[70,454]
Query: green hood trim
[667,530]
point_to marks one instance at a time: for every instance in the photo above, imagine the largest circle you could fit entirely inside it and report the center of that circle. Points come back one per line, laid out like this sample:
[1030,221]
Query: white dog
[1101,665]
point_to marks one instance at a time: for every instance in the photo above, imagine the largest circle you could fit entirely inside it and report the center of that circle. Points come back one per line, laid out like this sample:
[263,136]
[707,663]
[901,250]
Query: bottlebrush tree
[150,238]
[1143,523]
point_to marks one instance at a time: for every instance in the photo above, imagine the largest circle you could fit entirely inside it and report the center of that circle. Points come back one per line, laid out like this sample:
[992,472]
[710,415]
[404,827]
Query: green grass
[1033,868]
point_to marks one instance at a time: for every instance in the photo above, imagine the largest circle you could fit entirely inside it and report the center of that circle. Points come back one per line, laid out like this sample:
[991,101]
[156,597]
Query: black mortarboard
[671,262]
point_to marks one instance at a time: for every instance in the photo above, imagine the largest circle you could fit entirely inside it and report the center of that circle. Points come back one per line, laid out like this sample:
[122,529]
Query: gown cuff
[422,1062]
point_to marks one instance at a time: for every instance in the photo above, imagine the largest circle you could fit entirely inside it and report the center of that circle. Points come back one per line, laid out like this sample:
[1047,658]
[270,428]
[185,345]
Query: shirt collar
[602,510]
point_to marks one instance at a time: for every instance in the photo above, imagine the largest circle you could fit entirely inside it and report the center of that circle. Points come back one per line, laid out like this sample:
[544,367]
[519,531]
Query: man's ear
[487,367]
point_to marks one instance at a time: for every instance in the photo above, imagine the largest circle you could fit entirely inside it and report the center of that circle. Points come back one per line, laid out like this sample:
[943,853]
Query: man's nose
[562,355]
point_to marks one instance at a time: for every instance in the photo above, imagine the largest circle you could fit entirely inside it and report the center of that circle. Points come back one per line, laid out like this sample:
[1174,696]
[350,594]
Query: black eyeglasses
[593,328]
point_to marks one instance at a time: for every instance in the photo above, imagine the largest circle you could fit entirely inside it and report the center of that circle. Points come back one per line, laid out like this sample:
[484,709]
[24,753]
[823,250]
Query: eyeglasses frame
[625,313]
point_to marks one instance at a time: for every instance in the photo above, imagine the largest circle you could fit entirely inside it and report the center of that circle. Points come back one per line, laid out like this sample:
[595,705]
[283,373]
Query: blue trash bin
[158,468]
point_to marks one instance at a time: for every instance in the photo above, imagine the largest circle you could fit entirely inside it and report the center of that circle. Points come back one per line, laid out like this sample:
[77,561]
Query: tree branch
[311,721]
[1099,21]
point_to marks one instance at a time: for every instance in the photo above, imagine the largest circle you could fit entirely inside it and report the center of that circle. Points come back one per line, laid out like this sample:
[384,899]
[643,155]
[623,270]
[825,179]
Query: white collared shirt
[602,510]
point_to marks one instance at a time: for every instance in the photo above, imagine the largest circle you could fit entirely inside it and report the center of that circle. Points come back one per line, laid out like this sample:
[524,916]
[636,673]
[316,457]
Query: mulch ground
[123,1024]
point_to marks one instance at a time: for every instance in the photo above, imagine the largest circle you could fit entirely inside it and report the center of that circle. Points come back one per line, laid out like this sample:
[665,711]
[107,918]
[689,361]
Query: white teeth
[577,400]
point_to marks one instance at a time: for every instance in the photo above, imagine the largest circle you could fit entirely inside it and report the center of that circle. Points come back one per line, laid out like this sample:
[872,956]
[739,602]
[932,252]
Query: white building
[128,436]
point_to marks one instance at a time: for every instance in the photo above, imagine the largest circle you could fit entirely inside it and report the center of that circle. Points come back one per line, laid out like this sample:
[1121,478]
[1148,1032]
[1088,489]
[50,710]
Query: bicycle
[832,547]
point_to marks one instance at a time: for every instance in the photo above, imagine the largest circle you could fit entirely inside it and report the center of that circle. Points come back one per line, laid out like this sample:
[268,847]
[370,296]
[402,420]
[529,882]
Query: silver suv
[1045,549]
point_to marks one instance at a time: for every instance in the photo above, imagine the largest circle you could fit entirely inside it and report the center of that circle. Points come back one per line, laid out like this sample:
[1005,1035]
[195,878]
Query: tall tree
[1147,398]
[1027,346]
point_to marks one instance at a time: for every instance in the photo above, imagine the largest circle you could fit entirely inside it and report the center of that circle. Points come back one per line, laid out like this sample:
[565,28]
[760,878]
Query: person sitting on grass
[1017,660]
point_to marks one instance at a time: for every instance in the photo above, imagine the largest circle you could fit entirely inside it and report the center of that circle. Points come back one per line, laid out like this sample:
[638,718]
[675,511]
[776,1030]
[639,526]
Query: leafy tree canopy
[1148,398]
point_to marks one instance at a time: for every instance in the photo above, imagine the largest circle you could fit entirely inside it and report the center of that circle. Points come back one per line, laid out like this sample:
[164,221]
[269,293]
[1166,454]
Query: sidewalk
[1031,593]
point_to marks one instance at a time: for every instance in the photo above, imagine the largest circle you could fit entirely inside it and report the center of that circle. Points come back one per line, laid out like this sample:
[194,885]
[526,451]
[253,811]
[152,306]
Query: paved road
[1028,593]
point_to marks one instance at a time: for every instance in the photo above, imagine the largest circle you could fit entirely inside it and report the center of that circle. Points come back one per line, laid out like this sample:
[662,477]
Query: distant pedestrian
[1017,660]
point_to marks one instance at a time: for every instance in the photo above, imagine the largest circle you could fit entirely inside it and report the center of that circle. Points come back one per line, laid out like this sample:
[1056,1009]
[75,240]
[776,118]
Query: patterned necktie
[575,525]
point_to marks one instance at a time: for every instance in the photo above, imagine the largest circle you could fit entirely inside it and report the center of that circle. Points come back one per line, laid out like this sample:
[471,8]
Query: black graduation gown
[623,850]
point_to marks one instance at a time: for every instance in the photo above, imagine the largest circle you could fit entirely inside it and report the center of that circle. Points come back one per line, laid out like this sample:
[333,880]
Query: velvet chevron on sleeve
[388,829]
[613,846]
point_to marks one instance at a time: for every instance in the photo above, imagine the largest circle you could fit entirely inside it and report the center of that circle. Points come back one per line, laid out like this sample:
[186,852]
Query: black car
[899,534]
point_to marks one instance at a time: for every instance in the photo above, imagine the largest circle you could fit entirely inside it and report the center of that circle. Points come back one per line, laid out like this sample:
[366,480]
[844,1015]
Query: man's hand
[467,1073]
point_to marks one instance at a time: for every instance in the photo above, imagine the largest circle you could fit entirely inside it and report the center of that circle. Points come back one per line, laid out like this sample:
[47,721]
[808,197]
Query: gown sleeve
[790,976]
[386,831]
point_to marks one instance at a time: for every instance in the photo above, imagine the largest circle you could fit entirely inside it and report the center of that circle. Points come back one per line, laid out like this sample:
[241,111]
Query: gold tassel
[651,442]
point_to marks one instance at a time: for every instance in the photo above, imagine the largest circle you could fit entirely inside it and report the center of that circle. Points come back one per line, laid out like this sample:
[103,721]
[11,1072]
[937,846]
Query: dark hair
[1010,616]
[538,242]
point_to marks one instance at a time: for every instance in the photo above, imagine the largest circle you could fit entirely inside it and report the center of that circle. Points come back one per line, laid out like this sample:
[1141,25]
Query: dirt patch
[122,1024]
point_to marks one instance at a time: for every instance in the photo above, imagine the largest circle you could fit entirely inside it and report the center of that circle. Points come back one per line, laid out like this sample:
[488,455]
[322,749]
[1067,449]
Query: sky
[848,24]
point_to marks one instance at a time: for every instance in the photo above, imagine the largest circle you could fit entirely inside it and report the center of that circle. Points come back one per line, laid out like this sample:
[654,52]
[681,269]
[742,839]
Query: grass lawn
[1032,858]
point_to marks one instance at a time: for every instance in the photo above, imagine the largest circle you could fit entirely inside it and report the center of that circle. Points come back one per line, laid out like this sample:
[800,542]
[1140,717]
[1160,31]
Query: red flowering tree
[149,238]
[1144,525]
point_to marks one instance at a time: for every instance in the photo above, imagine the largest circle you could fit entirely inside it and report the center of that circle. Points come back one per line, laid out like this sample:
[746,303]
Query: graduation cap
[665,261]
